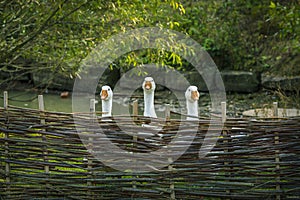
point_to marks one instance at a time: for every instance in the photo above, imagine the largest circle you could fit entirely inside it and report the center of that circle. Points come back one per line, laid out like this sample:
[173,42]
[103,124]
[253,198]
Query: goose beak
[148,85]
[195,95]
[104,94]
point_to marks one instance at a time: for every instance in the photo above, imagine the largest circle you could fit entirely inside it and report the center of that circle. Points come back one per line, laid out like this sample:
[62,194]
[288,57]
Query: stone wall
[234,81]
[291,83]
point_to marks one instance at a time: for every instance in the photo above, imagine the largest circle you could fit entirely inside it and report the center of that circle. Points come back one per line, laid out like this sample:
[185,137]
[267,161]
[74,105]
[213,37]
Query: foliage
[56,35]
[248,35]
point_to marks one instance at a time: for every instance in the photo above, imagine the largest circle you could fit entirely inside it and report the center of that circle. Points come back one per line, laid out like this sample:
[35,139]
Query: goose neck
[106,107]
[149,104]
[192,108]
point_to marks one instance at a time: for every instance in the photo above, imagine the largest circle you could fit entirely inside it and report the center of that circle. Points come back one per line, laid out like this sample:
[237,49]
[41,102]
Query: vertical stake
[168,112]
[92,107]
[41,103]
[135,109]
[275,109]
[172,186]
[89,168]
[43,122]
[226,134]
[44,138]
[5,100]
[41,107]
[223,107]
[135,112]
[277,159]
[90,146]
[6,152]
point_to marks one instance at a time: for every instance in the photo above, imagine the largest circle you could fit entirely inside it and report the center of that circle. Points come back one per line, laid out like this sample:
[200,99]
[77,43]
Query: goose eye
[108,89]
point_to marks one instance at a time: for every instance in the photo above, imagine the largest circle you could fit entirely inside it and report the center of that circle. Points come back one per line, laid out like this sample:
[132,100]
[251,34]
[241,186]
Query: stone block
[240,81]
[291,83]
[234,81]
[52,81]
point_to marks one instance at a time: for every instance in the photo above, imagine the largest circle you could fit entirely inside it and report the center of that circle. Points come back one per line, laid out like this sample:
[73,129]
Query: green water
[236,103]
[53,102]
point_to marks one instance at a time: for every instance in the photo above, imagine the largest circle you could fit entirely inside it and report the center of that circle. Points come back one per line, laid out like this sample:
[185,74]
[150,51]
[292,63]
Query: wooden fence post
[5,100]
[90,146]
[226,141]
[44,139]
[172,186]
[275,109]
[135,112]
[6,136]
[92,107]
[168,112]
[277,158]
[90,168]
[224,111]
[135,109]
[43,122]
[170,160]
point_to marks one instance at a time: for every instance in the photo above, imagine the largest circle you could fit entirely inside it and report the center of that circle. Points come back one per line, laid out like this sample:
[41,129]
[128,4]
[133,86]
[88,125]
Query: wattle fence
[43,156]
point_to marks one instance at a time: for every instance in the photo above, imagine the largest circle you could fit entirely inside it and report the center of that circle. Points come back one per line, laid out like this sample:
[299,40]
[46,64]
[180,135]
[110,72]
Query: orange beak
[148,85]
[104,94]
[195,95]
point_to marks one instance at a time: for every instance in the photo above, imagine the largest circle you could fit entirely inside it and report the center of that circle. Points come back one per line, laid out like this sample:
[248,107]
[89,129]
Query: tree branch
[41,29]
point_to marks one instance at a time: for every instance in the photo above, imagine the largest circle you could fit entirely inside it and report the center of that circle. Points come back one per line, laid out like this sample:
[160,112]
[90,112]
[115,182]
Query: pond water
[29,99]
[53,102]
[236,103]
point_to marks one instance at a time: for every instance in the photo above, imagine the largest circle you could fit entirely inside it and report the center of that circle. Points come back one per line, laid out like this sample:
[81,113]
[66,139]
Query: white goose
[149,87]
[106,95]
[192,97]
[149,111]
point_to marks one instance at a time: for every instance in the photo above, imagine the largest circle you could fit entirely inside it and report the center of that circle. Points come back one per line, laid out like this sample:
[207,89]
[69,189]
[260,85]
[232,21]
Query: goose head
[192,94]
[106,93]
[149,84]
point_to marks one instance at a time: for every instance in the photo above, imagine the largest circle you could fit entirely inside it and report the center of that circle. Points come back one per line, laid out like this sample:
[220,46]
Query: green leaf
[272,5]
